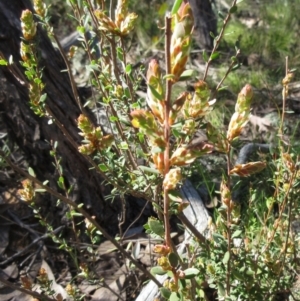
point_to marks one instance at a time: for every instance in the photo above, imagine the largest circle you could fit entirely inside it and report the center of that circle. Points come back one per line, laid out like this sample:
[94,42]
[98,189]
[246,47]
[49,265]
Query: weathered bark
[32,133]
[205,22]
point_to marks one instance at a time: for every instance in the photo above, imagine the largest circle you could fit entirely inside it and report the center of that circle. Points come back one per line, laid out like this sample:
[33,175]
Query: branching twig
[218,40]
[84,214]
[25,291]
[37,240]
[192,228]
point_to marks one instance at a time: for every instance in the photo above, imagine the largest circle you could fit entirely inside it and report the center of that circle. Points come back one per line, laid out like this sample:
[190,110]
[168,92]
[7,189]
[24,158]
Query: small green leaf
[226,258]
[214,56]
[235,67]
[155,93]
[233,9]
[92,67]
[60,182]
[166,293]
[128,69]
[221,289]
[175,297]
[233,59]
[237,45]
[157,270]
[187,74]
[81,30]
[113,118]
[205,56]
[43,97]
[201,293]
[148,169]
[120,53]
[74,213]
[157,207]
[127,92]
[237,275]
[173,259]
[3,62]
[176,6]
[218,238]
[221,15]
[103,167]
[191,273]
[182,283]
[156,227]
[236,233]
[31,171]
[123,145]
[222,88]
[168,76]
[163,9]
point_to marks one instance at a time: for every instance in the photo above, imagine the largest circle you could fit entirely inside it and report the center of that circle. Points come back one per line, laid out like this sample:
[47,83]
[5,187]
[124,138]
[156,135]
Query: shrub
[251,251]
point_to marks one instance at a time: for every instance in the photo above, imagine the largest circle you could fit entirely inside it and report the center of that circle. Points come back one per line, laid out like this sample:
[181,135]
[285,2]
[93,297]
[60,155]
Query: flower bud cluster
[187,154]
[25,52]
[155,90]
[146,123]
[242,111]
[28,53]
[162,249]
[93,136]
[285,82]
[27,193]
[172,178]
[43,276]
[164,263]
[28,25]
[183,24]
[40,8]
[225,194]
[159,161]
[199,104]
[124,21]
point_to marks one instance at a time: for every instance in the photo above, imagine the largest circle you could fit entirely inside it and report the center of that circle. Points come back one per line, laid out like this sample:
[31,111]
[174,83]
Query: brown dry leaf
[107,294]
[263,124]
[10,271]
[106,247]
[245,170]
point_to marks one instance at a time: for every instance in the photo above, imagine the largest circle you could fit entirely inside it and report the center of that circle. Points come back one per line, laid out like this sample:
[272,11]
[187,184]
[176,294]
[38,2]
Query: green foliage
[151,20]
[268,32]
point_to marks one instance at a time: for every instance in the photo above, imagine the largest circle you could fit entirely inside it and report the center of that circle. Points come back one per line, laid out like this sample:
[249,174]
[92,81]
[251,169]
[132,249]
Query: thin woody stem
[218,40]
[79,209]
[229,239]
[167,128]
